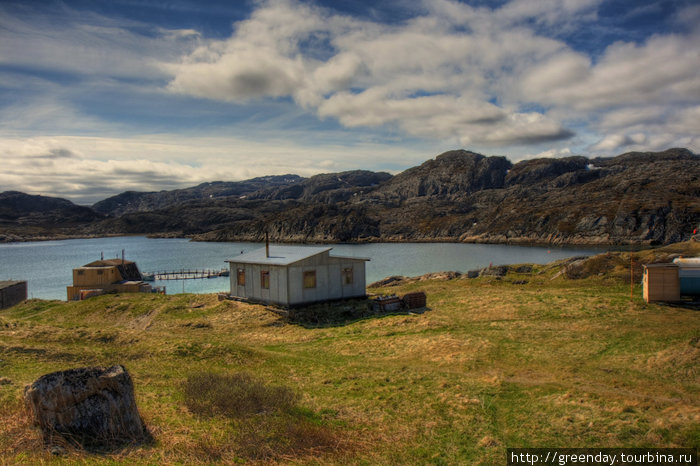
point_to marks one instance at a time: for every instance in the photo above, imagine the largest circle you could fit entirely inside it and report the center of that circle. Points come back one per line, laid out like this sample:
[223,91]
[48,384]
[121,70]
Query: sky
[98,97]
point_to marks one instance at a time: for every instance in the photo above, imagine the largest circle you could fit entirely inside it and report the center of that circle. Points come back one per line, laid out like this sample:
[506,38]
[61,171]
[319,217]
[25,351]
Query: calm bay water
[47,265]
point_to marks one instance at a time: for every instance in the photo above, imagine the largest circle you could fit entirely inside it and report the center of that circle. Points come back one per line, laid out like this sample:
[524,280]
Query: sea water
[48,266]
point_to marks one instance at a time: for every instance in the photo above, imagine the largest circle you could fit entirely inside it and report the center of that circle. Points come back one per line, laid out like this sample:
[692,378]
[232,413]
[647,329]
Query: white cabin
[296,275]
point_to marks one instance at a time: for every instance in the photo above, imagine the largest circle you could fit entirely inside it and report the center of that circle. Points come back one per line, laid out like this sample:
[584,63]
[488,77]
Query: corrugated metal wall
[287,282]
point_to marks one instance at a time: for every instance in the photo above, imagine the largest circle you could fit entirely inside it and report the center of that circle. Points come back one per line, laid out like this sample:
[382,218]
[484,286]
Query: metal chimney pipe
[267,244]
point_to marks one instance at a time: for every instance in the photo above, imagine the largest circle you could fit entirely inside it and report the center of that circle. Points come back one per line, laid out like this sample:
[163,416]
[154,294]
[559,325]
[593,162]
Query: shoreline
[556,242]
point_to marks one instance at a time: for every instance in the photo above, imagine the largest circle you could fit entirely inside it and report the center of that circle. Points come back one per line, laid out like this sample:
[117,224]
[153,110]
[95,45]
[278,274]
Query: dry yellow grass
[490,365]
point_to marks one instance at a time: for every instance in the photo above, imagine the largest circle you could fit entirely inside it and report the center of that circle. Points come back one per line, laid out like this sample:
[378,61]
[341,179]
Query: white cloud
[430,77]
[661,71]
[246,75]
[88,169]
[261,60]
[45,110]
[87,44]
[649,128]
[553,153]
[548,12]
[629,117]
[617,141]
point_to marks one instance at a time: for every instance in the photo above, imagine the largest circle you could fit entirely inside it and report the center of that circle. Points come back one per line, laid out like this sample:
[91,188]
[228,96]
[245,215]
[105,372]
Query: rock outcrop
[450,176]
[91,407]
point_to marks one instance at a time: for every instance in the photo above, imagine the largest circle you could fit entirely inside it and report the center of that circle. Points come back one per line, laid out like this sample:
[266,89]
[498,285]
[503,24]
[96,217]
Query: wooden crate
[414,300]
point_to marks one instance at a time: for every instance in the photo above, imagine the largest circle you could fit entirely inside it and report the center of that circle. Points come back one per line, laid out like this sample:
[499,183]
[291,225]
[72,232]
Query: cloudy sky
[102,96]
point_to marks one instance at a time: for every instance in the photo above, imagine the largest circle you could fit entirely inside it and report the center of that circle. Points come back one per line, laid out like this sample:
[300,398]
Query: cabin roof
[280,255]
[284,255]
[8,283]
[108,263]
[127,269]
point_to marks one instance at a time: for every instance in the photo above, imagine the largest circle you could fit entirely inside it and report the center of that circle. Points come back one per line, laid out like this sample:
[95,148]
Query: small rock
[495,271]
[57,450]
[388,281]
[448,275]
[5,381]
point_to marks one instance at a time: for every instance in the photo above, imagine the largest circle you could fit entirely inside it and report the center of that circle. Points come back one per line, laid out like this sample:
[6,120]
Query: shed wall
[287,282]
[85,276]
[277,293]
[329,281]
[661,284]
[13,293]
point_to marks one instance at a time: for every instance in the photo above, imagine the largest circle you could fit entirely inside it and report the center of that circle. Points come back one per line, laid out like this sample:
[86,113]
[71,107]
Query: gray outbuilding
[296,275]
[12,292]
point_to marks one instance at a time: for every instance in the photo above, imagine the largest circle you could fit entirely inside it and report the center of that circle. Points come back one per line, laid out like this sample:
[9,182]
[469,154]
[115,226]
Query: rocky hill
[450,176]
[134,201]
[27,216]
[634,198]
[327,188]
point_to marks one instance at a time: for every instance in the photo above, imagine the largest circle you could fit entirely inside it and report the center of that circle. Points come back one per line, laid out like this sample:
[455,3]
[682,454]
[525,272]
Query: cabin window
[99,272]
[241,277]
[347,276]
[81,272]
[265,279]
[310,279]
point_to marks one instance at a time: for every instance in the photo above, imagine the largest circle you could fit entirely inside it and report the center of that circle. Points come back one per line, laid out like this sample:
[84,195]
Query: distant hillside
[134,201]
[24,215]
[634,198]
[327,188]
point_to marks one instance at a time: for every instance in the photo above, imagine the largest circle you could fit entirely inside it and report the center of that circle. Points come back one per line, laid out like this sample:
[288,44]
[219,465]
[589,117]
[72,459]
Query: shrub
[267,423]
[234,395]
[283,435]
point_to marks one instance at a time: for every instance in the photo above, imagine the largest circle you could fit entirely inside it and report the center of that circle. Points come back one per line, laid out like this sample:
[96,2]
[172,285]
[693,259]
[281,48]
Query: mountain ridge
[633,198]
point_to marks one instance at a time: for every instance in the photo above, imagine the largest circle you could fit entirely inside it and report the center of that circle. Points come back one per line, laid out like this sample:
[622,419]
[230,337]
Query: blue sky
[99,97]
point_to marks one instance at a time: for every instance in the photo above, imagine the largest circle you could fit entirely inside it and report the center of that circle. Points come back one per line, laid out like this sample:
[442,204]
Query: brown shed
[661,283]
[105,276]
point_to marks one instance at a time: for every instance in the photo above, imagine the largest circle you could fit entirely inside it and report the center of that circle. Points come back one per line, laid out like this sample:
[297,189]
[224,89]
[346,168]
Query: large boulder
[91,407]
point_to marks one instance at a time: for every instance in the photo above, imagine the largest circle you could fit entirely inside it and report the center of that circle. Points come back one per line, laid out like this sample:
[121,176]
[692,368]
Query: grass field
[553,362]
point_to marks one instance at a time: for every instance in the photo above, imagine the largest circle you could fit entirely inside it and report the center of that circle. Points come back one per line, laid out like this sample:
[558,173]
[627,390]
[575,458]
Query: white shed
[296,275]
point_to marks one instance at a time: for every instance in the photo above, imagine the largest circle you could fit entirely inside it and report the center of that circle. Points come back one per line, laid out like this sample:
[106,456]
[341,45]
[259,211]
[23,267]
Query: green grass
[555,362]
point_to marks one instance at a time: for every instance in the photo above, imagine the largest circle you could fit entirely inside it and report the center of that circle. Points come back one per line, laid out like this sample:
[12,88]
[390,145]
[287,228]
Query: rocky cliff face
[451,175]
[635,198]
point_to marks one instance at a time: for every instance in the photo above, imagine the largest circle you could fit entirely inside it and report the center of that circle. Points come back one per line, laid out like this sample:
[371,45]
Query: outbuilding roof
[281,255]
[9,283]
[108,263]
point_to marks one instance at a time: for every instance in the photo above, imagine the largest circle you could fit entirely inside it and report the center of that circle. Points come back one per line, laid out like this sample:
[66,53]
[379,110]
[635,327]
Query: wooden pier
[185,274]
